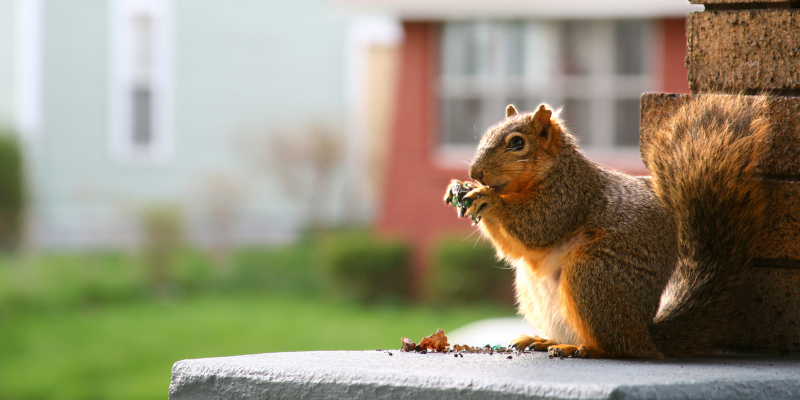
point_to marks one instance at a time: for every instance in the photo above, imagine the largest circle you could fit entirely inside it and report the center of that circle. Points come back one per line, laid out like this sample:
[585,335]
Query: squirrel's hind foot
[568,350]
[535,343]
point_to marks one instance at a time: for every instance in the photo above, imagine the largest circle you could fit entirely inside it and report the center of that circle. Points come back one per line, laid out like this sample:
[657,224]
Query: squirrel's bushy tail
[702,169]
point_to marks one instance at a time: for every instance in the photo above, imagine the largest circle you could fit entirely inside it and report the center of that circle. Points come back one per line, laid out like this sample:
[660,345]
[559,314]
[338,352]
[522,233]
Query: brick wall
[674,76]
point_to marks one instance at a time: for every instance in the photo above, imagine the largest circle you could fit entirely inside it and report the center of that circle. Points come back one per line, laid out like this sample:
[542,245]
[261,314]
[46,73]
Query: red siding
[674,76]
[412,202]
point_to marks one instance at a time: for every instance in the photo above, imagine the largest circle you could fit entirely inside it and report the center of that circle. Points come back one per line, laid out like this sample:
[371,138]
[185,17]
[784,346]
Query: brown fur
[573,316]
[595,250]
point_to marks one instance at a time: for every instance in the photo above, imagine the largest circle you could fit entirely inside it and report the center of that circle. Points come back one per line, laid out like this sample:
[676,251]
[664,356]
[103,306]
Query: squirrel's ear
[549,135]
[542,115]
[511,111]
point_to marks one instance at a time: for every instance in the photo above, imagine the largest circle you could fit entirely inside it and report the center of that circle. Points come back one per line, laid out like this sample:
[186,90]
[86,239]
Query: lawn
[110,324]
[126,350]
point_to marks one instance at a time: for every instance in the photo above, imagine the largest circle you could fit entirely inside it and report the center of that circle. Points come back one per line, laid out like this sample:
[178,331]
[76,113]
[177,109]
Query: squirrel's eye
[516,143]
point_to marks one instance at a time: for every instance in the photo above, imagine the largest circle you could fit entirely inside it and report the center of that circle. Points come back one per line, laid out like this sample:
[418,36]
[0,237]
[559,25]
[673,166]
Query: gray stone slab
[376,374]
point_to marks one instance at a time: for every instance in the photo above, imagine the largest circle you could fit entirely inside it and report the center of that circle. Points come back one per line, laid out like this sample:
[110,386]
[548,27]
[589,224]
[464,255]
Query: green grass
[126,350]
[110,325]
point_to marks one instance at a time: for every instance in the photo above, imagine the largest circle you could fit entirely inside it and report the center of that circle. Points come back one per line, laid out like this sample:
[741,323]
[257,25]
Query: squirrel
[613,266]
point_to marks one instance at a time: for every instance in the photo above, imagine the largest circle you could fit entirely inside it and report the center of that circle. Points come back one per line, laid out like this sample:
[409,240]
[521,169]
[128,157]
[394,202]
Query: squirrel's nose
[476,174]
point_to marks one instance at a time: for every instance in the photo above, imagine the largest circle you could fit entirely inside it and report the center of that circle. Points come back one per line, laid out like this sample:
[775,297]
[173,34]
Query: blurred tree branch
[306,161]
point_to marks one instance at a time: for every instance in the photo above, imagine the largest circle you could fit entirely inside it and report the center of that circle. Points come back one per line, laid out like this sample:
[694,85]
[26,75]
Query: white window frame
[29,37]
[122,146]
[543,77]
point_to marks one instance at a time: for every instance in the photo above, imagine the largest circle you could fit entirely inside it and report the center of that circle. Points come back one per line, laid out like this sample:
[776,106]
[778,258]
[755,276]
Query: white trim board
[28,91]
[158,79]
[519,9]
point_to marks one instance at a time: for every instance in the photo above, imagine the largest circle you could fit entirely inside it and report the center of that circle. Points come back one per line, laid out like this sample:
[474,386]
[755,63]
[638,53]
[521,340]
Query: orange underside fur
[508,247]
[570,310]
[520,186]
[542,262]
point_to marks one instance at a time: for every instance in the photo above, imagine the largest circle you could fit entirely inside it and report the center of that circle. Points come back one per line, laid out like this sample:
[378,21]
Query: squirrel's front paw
[478,202]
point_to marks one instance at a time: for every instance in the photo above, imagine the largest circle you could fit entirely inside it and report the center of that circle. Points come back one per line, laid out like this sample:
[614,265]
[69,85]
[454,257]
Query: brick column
[739,46]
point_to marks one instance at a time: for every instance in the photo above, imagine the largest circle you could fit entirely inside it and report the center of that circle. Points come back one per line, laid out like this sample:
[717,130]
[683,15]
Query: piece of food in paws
[458,192]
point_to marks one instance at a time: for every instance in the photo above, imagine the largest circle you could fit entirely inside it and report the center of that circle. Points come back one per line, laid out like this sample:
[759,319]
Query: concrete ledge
[376,374]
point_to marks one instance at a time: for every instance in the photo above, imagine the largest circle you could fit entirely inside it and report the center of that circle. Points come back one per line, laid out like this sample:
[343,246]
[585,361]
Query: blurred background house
[462,62]
[251,121]
[234,115]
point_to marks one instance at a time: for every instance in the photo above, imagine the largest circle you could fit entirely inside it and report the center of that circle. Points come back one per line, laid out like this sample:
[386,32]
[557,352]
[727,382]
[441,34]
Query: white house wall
[238,67]
[7,59]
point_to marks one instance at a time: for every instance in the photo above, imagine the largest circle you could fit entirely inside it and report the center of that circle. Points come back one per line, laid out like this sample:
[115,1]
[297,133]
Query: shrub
[66,280]
[12,192]
[193,270]
[366,267]
[468,271]
[162,239]
[285,269]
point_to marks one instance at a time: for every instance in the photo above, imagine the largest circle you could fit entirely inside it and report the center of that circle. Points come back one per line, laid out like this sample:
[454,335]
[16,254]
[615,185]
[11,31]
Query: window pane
[538,50]
[525,102]
[522,105]
[465,48]
[462,121]
[577,117]
[142,116]
[577,51]
[454,48]
[515,57]
[630,37]
[627,132]
[484,63]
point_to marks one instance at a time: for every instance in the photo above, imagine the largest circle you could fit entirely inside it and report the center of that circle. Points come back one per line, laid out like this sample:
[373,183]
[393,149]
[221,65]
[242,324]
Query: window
[597,70]
[140,122]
